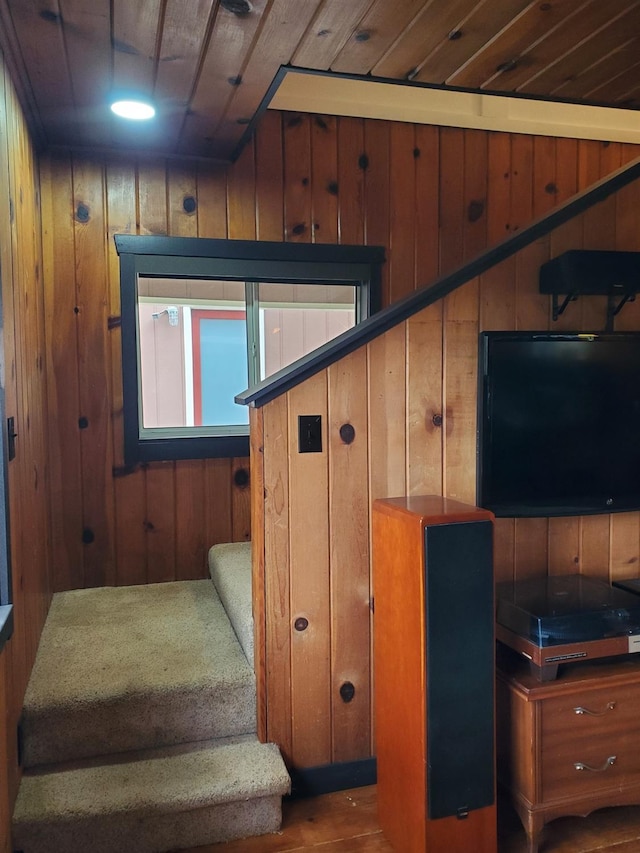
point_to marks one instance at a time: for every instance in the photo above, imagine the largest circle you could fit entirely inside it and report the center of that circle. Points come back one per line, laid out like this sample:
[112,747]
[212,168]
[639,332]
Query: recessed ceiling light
[132,109]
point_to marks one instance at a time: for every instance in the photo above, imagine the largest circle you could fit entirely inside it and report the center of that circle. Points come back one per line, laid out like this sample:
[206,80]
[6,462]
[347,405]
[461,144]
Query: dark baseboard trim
[313,781]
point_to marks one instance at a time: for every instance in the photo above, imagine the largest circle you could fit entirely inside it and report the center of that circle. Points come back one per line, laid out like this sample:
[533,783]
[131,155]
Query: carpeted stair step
[168,800]
[230,570]
[139,667]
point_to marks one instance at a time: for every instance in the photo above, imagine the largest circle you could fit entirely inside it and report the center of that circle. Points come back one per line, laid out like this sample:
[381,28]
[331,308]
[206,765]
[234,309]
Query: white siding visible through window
[294,320]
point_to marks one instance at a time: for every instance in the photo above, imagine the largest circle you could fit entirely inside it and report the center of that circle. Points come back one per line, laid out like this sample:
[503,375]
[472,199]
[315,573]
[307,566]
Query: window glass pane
[296,319]
[192,352]
[219,366]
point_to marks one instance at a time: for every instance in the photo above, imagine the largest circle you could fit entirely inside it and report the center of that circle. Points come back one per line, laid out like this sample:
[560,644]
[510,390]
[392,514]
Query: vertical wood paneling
[129,487]
[451,220]
[387,436]
[310,588]
[258,586]
[269,179]
[475,192]
[92,297]
[351,178]
[160,521]
[212,202]
[297,177]
[460,363]
[324,180]
[431,197]
[240,501]
[190,527]
[159,494]
[401,239]
[424,402]
[191,545]
[349,557]
[219,505]
[594,547]
[277,556]
[62,374]
[23,377]
[376,165]
[420,366]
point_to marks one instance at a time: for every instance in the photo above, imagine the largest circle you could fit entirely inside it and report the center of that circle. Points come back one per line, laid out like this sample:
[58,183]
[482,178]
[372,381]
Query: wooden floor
[346,821]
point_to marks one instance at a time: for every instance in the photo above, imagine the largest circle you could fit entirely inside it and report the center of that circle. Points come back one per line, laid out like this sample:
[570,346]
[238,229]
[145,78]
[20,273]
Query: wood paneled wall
[435,198]
[111,525]
[23,375]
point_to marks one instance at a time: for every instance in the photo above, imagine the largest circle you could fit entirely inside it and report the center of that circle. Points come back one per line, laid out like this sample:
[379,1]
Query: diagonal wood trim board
[384,320]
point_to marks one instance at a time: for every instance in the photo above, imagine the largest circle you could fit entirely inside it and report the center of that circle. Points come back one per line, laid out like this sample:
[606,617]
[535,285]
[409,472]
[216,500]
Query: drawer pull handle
[581,710]
[579,765]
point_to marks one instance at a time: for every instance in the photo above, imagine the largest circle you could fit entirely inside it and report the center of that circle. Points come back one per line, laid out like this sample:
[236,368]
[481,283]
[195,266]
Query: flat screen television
[558,423]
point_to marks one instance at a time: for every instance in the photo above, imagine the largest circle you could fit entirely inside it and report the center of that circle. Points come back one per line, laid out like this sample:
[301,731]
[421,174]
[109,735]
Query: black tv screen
[558,423]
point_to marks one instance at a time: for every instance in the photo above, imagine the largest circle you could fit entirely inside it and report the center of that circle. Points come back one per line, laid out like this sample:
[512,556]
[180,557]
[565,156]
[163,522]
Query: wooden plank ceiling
[209,63]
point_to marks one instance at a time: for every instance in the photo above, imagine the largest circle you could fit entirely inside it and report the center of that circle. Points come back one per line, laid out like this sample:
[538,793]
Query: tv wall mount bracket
[584,272]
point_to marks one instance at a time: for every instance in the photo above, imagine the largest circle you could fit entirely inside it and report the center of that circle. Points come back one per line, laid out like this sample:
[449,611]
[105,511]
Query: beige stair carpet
[165,800]
[134,668]
[230,570]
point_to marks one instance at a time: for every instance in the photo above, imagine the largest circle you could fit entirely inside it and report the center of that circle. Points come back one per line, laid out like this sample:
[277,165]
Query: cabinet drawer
[590,741]
[575,767]
[590,714]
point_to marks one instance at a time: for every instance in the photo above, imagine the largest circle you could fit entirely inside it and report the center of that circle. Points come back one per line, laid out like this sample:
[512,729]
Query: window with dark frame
[202,320]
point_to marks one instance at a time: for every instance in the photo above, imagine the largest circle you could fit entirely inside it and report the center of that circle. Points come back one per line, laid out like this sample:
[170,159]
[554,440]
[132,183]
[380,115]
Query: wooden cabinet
[569,746]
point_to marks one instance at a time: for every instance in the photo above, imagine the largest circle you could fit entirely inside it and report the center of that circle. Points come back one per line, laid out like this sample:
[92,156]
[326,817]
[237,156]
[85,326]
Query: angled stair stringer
[139,727]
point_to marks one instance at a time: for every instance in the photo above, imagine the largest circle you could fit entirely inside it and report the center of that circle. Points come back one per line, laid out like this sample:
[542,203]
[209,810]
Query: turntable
[563,619]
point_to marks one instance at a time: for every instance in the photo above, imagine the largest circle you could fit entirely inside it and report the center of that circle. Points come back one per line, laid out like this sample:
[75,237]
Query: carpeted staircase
[139,720]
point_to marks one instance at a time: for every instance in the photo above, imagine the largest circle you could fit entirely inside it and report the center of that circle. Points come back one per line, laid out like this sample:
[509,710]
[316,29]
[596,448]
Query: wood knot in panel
[189,204]
[509,65]
[436,420]
[347,433]
[551,188]
[301,624]
[362,35]
[88,536]
[51,17]
[83,423]
[363,162]
[123,47]
[321,123]
[241,478]
[238,7]
[475,210]
[332,187]
[300,228]
[347,692]
[454,35]
[235,81]
[82,212]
